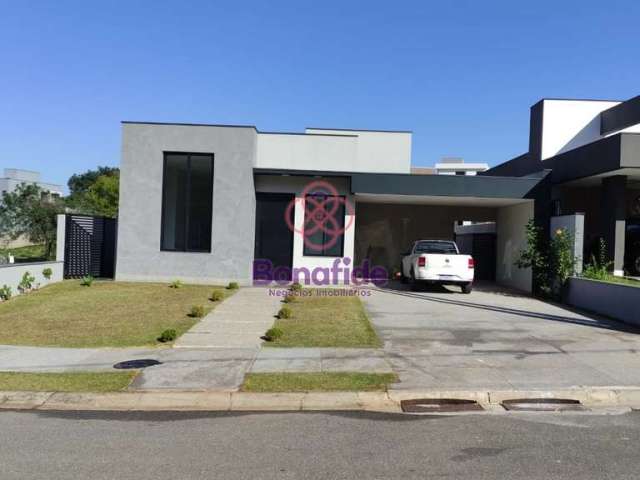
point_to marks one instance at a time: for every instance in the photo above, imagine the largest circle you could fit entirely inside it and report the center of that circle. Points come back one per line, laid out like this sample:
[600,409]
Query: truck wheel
[414,284]
[403,279]
[466,288]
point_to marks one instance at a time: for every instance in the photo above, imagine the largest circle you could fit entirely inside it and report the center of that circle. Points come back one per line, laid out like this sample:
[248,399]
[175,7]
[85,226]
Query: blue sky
[460,75]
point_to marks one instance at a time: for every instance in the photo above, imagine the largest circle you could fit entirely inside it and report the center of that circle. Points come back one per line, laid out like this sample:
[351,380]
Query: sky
[460,75]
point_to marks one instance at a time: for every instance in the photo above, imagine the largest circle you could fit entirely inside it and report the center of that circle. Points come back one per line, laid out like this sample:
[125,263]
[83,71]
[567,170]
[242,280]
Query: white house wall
[569,124]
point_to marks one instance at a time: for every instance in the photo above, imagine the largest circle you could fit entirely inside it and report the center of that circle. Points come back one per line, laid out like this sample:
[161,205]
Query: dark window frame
[187,201]
[318,253]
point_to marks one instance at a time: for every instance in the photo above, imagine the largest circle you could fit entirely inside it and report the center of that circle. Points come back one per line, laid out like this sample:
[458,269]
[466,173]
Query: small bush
[5,292]
[217,296]
[46,273]
[285,312]
[168,335]
[87,281]
[273,334]
[289,298]
[26,283]
[295,287]
[233,286]
[197,311]
[176,284]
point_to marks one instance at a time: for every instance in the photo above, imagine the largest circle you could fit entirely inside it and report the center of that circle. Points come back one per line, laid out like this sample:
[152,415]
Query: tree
[29,211]
[95,192]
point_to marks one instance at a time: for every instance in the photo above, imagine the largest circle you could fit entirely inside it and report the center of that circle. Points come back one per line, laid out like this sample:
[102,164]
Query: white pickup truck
[438,261]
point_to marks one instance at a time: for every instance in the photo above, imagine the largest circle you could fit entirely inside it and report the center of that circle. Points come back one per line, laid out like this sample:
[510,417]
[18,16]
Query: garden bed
[615,300]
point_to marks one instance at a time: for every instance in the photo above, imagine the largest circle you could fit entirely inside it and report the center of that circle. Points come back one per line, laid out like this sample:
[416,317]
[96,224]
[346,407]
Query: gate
[90,246]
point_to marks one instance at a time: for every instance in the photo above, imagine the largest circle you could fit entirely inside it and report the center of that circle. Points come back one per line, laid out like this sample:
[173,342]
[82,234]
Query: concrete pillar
[613,217]
[60,237]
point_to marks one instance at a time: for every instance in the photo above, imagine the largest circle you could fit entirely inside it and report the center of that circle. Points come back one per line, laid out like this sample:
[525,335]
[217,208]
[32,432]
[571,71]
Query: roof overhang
[603,158]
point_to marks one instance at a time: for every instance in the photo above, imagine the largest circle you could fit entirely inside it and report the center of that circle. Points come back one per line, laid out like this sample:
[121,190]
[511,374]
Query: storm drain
[133,364]
[439,405]
[543,405]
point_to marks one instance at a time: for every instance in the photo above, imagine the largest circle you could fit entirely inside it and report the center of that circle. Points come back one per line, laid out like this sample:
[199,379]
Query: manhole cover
[142,363]
[543,405]
[439,405]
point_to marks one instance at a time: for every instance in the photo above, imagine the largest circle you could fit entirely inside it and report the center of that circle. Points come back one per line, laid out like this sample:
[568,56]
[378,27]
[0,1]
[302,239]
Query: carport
[393,211]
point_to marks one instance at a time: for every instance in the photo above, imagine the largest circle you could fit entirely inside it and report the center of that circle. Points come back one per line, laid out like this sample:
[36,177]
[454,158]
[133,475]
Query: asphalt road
[64,445]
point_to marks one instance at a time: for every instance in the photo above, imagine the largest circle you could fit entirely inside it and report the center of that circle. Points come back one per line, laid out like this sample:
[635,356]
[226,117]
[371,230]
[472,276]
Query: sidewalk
[238,322]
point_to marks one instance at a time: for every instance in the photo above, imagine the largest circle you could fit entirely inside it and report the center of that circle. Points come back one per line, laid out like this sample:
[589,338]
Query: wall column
[613,217]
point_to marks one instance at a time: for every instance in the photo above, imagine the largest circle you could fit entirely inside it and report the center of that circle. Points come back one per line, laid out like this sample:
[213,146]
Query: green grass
[107,314]
[66,382]
[317,382]
[613,279]
[325,321]
[30,253]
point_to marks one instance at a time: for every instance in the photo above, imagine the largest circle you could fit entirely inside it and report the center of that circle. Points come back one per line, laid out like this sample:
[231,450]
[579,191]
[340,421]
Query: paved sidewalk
[321,360]
[238,322]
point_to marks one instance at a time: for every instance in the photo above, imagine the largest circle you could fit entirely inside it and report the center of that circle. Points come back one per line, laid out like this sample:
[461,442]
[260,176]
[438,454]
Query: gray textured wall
[139,255]
[511,239]
[610,299]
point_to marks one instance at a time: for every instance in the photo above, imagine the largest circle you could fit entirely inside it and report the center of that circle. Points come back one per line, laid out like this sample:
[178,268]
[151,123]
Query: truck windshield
[436,247]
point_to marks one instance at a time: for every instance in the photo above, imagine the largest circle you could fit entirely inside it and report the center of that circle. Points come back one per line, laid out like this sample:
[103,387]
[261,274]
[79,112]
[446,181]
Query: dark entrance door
[274,238]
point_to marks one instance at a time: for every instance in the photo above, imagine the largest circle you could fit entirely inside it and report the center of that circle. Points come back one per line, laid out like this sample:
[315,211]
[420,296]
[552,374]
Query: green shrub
[5,292]
[295,287]
[233,286]
[168,335]
[217,296]
[289,298]
[176,284]
[598,267]
[86,281]
[273,334]
[46,273]
[26,283]
[285,312]
[197,311]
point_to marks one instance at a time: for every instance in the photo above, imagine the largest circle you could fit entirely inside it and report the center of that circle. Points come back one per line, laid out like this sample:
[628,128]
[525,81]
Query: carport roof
[468,186]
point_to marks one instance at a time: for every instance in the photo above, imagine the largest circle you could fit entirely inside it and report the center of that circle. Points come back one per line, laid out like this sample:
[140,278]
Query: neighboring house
[451,166]
[207,203]
[589,152]
[14,177]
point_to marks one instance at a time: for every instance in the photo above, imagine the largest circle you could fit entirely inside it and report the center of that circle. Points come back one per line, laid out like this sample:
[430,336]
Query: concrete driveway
[499,339]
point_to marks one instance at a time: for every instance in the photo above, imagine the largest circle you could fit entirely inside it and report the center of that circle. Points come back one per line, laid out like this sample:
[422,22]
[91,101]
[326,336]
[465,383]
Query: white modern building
[13,177]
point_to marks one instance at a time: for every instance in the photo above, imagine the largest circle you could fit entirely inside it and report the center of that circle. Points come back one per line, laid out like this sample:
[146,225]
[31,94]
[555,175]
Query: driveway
[499,339]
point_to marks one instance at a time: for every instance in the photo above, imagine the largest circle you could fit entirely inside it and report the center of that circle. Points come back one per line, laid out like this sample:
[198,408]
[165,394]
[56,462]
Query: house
[14,177]
[218,203]
[589,152]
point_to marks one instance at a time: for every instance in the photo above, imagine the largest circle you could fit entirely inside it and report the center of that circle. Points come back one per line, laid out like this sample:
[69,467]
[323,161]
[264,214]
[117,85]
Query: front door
[274,238]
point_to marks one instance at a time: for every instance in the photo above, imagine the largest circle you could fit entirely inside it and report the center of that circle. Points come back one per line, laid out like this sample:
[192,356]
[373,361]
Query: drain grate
[439,405]
[133,364]
[543,405]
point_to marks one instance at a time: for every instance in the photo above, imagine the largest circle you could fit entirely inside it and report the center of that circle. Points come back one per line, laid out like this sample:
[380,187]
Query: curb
[312,401]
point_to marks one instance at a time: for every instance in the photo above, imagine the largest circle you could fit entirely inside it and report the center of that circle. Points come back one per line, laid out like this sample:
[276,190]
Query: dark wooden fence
[90,246]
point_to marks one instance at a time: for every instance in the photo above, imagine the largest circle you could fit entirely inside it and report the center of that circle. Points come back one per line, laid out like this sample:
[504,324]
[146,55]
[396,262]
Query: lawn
[66,382]
[106,314]
[30,253]
[317,382]
[319,320]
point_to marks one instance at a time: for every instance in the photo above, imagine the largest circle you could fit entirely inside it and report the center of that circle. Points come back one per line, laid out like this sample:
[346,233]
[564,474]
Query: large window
[324,226]
[187,195]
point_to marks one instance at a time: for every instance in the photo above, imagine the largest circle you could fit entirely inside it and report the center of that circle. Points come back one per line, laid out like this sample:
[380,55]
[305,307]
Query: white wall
[378,152]
[336,150]
[296,185]
[568,124]
[511,239]
[11,275]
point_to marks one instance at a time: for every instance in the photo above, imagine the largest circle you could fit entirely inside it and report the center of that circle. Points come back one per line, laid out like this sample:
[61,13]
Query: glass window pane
[199,235]
[174,202]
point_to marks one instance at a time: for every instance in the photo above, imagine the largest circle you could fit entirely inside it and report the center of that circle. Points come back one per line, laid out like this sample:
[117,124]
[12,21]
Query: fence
[89,246]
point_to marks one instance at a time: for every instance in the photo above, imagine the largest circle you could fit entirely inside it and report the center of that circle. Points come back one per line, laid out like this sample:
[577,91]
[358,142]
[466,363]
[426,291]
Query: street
[174,445]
